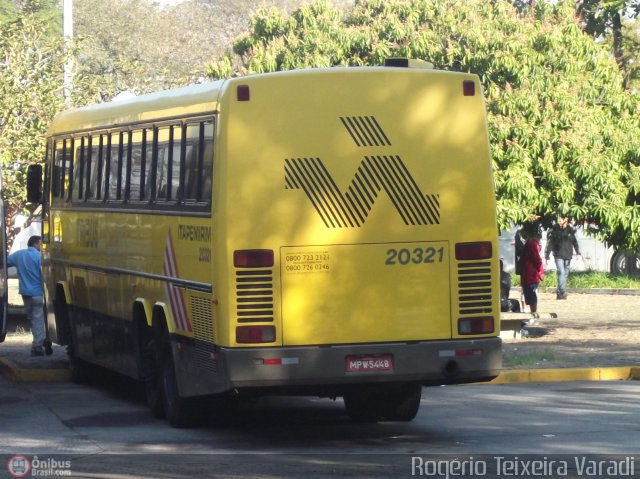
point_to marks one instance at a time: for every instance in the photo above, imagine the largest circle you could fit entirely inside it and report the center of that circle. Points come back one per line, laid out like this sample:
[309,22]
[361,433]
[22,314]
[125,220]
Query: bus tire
[625,262]
[179,411]
[365,405]
[79,370]
[152,379]
[403,402]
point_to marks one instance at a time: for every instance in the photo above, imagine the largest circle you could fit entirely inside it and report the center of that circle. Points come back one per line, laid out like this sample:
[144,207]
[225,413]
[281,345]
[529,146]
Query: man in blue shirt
[27,261]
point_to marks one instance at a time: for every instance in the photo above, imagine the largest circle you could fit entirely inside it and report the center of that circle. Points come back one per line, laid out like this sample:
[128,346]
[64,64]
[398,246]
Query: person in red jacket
[531,270]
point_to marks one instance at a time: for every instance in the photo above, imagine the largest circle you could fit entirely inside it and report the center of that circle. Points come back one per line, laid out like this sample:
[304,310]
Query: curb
[10,371]
[623,373]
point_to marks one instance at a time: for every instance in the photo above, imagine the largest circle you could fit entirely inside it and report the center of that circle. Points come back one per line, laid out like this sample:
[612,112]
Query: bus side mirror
[34,184]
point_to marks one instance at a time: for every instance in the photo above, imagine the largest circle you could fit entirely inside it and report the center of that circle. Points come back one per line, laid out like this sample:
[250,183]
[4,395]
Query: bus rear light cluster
[480,325]
[255,334]
[253,258]
[476,250]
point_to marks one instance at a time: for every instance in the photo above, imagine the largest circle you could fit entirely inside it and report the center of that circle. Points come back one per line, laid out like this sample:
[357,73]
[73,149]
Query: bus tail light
[481,325]
[255,334]
[477,250]
[253,258]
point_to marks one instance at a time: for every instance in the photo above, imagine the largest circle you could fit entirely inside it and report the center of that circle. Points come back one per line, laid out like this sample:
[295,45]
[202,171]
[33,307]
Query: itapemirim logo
[351,208]
[375,174]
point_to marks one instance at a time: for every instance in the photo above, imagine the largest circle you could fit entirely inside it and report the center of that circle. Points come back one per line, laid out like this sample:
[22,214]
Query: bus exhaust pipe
[451,368]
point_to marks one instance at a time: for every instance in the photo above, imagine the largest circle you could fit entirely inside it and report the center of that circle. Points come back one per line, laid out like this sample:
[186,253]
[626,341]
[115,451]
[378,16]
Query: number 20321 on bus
[405,256]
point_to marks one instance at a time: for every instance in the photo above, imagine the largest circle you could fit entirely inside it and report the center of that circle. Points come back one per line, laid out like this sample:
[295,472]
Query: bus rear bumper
[429,363]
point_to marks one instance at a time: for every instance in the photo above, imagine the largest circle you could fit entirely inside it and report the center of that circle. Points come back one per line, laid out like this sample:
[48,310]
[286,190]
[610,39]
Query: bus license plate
[357,364]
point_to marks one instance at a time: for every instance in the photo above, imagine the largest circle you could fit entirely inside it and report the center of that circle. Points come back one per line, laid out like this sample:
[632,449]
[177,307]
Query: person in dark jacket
[506,304]
[561,241]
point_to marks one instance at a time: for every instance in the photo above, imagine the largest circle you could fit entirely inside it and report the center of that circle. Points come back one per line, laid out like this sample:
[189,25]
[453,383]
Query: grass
[531,358]
[588,280]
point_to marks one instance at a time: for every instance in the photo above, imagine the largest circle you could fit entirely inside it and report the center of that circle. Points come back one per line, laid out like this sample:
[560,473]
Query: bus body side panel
[114,260]
[109,255]
[362,182]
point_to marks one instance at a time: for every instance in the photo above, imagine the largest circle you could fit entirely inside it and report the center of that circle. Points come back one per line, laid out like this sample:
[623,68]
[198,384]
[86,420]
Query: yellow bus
[324,232]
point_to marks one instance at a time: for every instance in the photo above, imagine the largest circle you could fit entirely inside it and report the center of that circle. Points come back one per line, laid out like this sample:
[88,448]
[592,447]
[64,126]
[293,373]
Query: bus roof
[187,100]
[169,103]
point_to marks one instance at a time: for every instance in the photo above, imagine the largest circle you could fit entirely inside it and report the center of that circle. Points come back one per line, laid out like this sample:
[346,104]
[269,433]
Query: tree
[30,95]
[138,47]
[631,48]
[129,45]
[606,19]
[563,130]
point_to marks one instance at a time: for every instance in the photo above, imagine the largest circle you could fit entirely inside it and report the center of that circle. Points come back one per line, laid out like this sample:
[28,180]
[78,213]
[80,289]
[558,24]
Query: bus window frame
[175,149]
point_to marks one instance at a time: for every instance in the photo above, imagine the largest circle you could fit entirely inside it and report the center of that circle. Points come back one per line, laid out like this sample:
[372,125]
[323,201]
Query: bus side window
[176,160]
[168,167]
[79,168]
[91,160]
[135,177]
[147,163]
[191,162]
[113,179]
[125,165]
[207,162]
[94,165]
[98,169]
[199,161]
[67,169]
[162,168]
[57,180]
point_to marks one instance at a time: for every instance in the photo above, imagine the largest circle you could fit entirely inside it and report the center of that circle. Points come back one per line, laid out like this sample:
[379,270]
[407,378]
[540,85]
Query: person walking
[532,270]
[561,241]
[28,262]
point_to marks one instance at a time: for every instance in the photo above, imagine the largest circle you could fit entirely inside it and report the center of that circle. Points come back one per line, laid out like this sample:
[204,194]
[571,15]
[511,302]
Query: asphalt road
[104,430]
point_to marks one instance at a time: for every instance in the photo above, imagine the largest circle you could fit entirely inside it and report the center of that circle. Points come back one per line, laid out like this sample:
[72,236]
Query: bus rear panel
[356,232]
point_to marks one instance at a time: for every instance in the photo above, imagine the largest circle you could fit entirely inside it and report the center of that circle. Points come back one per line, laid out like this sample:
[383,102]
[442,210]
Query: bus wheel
[152,379]
[179,411]
[365,404]
[403,402]
[625,262]
[78,369]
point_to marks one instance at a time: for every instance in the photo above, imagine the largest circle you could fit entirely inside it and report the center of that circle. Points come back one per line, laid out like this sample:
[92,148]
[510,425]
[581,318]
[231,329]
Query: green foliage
[131,45]
[588,280]
[521,359]
[615,21]
[30,95]
[138,47]
[563,130]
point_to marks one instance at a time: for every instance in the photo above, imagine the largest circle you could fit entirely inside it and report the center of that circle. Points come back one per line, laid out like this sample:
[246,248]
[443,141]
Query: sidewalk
[16,362]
